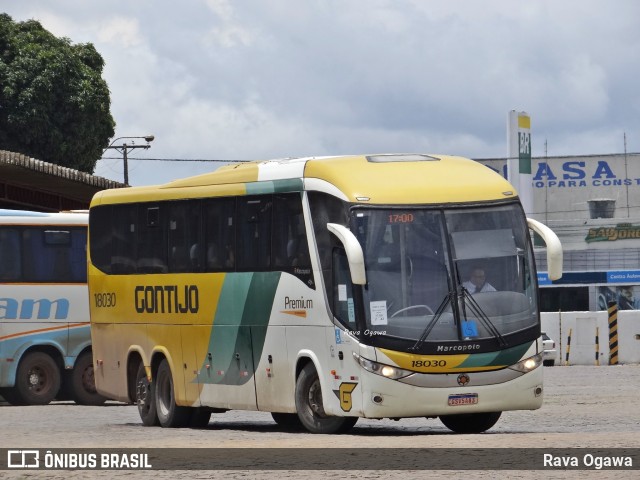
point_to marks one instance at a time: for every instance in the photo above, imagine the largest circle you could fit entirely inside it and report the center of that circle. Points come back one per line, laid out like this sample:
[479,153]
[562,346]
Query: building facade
[593,204]
[30,184]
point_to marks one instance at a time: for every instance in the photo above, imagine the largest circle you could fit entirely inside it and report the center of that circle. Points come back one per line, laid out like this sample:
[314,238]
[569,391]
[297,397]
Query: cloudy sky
[260,79]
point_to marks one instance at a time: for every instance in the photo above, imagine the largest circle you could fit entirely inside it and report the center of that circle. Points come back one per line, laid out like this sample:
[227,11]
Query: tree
[54,103]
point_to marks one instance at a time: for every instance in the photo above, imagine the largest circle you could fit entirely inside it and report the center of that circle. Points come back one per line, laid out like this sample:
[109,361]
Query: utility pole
[124,149]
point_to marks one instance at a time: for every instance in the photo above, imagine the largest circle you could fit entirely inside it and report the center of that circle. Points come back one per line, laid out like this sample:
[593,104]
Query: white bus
[45,342]
[321,290]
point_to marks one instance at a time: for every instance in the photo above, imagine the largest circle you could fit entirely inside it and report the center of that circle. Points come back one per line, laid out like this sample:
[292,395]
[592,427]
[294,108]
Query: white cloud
[222,8]
[229,33]
[254,79]
[122,31]
[229,36]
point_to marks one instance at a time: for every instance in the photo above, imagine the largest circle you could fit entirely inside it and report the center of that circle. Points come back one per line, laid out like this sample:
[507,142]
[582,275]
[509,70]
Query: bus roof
[372,179]
[28,217]
[6,212]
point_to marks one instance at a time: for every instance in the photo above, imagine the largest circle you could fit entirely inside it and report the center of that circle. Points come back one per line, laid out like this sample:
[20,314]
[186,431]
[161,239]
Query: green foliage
[54,104]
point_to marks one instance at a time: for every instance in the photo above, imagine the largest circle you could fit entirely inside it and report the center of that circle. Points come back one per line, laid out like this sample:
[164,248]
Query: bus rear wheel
[470,422]
[38,381]
[170,415]
[310,406]
[145,399]
[83,385]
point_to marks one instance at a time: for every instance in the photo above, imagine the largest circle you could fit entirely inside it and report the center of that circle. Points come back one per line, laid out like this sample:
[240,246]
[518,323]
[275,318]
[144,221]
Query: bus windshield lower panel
[457,275]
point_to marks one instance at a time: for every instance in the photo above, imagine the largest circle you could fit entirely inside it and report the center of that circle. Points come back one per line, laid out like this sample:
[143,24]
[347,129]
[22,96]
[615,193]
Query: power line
[218,160]
[226,160]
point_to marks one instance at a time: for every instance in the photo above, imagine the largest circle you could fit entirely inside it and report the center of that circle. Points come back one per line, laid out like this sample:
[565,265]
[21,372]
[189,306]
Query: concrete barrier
[584,327]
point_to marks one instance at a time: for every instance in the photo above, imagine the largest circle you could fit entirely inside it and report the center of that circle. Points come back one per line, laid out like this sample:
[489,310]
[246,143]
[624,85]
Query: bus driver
[477,282]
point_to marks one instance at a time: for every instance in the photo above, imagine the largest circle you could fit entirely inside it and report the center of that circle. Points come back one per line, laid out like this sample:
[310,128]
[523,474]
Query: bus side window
[217,252]
[10,253]
[195,257]
[254,233]
[56,247]
[284,240]
[343,306]
[78,255]
[152,240]
[184,231]
[290,249]
[46,254]
[101,238]
[326,209]
[122,238]
[36,262]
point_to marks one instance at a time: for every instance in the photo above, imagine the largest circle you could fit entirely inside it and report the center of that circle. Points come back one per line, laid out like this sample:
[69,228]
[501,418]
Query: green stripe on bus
[257,312]
[240,326]
[509,356]
[274,186]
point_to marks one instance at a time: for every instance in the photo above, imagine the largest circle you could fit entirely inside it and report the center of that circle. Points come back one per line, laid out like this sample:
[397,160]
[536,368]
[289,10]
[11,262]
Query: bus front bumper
[386,398]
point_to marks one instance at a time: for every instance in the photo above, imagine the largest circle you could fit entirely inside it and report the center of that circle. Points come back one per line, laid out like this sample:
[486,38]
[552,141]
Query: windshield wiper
[478,312]
[436,316]
[474,309]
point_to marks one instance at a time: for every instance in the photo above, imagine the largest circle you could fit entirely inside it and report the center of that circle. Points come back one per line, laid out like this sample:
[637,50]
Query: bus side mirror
[353,250]
[554,248]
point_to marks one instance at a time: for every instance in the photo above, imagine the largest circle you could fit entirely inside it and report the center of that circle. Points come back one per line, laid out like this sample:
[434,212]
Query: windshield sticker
[469,329]
[351,311]
[378,312]
[342,293]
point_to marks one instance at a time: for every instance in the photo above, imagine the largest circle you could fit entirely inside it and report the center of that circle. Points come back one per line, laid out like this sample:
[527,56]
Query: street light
[124,148]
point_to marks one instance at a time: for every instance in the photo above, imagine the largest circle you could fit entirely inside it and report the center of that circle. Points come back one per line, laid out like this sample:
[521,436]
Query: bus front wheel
[145,399]
[310,406]
[83,385]
[170,415]
[288,421]
[470,422]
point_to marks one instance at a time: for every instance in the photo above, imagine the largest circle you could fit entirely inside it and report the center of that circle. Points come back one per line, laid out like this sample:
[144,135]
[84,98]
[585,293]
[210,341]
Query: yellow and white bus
[320,290]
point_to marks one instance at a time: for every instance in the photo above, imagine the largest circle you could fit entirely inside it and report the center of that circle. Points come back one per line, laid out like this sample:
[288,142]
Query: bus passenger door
[275,385]
[342,343]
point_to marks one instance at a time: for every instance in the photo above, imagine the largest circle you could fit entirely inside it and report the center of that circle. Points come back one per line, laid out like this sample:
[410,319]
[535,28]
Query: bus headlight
[528,364]
[381,369]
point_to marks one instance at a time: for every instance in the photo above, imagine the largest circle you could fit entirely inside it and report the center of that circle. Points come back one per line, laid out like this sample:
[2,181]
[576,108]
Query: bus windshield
[442,275]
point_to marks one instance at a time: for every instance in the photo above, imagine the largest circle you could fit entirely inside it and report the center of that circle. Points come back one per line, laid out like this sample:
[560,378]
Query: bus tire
[145,398]
[64,393]
[470,422]
[311,409]
[199,417]
[38,380]
[170,415]
[10,395]
[83,384]
[288,421]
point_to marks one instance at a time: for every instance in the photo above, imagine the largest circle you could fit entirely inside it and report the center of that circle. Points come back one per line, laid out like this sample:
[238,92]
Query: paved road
[587,407]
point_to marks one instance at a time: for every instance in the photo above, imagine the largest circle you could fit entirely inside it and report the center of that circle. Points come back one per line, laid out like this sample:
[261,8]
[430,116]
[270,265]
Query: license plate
[463,399]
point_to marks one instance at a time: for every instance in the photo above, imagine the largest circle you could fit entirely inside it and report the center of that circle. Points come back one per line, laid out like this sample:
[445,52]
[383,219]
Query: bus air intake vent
[401,157]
